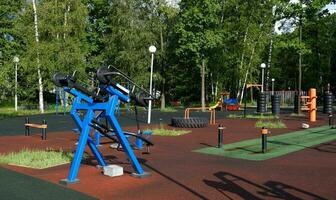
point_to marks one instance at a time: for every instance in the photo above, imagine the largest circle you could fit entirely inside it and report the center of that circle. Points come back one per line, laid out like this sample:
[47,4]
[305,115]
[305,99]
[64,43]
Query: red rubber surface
[178,173]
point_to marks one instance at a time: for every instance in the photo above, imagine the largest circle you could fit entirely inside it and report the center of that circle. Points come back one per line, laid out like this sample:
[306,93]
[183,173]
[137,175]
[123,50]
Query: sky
[331,8]
[288,27]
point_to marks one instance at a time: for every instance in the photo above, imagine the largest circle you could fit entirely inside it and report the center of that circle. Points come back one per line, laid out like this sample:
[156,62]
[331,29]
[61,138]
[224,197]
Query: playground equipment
[91,102]
[42,126]
[229,103]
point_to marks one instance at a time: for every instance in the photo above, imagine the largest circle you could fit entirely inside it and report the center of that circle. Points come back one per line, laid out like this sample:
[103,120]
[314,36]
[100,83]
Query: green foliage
[38,159]
[9,45]
[231,36]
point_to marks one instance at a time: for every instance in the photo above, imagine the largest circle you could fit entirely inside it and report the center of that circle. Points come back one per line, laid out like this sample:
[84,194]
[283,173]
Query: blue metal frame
[83,102]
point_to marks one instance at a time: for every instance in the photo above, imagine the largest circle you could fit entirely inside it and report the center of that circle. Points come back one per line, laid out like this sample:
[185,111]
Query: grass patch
[167,132]
[270,124]
[235,116]
[37,159]
[297,115]
[168,109]
[9,112]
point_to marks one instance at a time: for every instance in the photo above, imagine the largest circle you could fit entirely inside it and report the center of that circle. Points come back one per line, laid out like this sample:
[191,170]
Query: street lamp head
[273,79]
[152,49]
[263,65]
[16,59]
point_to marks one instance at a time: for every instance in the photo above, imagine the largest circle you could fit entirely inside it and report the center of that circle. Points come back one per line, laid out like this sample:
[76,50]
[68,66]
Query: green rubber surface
[276,146]
[19,186]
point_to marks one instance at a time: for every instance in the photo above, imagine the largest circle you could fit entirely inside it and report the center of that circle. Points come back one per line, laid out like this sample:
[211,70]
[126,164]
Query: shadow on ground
[228,184]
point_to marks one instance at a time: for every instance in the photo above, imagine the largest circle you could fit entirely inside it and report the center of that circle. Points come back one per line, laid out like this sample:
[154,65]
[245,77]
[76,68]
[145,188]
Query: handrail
[212,113]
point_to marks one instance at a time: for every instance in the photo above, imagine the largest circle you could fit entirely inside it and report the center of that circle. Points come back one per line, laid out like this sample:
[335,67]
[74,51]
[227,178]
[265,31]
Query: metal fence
[286,97]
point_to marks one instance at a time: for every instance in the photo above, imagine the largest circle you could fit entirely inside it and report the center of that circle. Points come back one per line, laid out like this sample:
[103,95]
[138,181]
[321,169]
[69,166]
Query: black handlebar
[62,80]
[105,76]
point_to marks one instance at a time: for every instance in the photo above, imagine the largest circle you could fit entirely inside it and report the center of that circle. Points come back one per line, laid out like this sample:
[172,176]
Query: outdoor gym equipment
[311,104]
[209,109]
[42,126]
[109,76]
[90,102]
[196,122]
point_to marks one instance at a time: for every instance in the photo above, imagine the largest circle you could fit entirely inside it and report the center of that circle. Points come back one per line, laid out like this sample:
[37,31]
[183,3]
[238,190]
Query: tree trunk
[269,63]
[213,97]
[243,53]
[203,84]
[300,69]
[248,68]
[163,98]
[67,10]
[40,82]
[242,60]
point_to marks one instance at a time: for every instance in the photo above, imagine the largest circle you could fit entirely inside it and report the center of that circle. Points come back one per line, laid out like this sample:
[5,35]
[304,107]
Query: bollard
[44,130]
[264,132]
[331,121]
[27,130]
[220,136]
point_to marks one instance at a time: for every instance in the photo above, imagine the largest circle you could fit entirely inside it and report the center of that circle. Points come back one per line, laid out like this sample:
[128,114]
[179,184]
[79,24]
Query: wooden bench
[42,126]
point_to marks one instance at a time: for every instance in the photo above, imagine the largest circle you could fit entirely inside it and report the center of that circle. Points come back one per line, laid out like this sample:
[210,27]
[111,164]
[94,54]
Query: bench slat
[37,125]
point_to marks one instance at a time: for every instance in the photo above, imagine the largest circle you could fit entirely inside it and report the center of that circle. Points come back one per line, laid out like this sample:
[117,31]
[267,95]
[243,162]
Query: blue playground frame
[83,102]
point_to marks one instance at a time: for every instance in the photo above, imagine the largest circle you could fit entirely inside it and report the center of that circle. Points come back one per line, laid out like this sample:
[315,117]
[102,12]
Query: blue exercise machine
[90,102]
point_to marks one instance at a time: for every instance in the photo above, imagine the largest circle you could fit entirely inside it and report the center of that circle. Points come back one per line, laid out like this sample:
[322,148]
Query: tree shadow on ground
[178,183]
[231,186]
